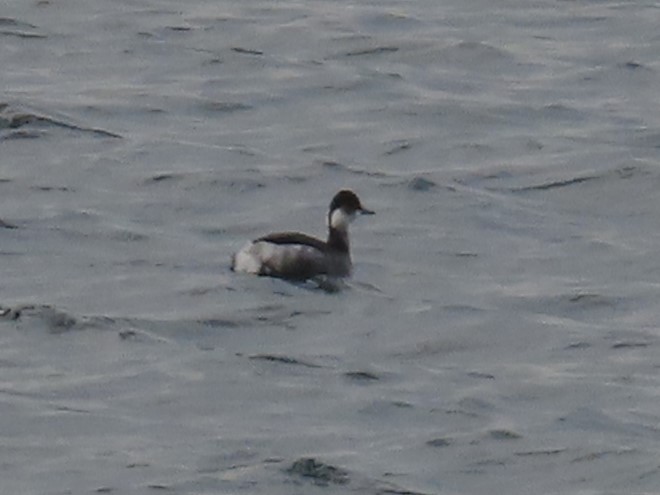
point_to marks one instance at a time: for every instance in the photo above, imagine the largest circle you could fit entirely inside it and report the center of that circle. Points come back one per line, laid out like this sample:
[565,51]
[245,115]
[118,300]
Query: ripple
[439,442]
[361,376]
[376,50]
[6,225]
[15,119]
[225,107]
[246,51]
[19,29]
[318,472]
[273,358]
[546,186]
[504,435]
[421,184]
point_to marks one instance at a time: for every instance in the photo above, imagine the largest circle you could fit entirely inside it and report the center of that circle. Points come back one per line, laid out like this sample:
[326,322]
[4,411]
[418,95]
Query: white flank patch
[267,258]
[247,259]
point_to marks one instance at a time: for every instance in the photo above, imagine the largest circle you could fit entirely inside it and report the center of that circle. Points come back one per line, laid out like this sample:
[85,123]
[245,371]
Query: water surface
[500,333]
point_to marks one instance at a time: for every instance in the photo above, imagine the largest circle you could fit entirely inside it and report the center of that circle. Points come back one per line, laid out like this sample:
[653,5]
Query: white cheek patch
[340,220]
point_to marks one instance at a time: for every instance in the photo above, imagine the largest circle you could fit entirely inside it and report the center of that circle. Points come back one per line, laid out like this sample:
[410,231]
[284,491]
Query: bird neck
[338,239]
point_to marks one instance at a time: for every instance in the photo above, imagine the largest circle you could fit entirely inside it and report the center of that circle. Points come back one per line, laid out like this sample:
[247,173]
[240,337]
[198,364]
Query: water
[500,334]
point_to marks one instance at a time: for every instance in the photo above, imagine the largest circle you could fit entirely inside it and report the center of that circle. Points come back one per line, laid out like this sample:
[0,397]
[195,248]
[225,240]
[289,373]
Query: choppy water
[500,334]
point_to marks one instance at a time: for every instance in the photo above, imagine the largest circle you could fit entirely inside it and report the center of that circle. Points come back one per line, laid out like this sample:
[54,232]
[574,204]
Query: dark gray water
[500,333]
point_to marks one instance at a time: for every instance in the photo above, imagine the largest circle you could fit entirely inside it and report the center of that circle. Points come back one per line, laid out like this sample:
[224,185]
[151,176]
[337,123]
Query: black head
[349,202]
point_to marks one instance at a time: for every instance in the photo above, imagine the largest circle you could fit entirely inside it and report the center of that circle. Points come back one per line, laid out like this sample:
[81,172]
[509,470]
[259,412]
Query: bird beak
[364,211]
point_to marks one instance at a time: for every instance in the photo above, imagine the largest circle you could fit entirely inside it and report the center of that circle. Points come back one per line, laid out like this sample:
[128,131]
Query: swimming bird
[296,256]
